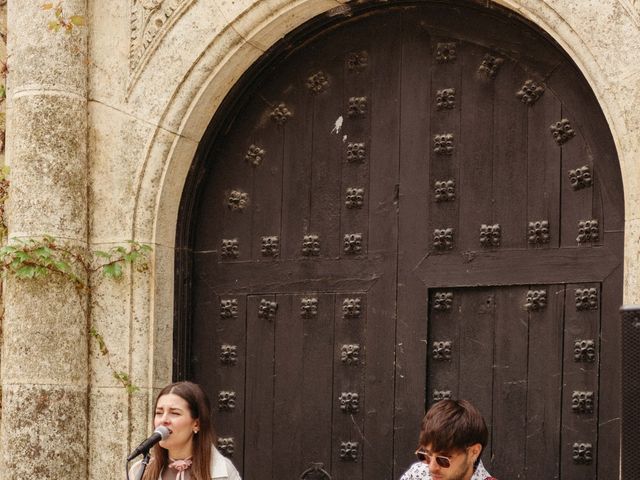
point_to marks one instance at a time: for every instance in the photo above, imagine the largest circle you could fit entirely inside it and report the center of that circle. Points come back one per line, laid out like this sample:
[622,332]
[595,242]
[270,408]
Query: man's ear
[475,451]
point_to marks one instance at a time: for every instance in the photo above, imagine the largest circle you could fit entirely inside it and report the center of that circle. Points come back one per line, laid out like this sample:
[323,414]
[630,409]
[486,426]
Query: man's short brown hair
[452,425]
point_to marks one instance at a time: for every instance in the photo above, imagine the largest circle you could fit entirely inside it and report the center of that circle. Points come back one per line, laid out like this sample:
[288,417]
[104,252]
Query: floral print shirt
[420,471]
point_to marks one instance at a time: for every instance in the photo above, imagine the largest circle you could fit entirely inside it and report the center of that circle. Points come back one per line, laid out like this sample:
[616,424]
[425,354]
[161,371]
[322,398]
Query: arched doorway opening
[412,202]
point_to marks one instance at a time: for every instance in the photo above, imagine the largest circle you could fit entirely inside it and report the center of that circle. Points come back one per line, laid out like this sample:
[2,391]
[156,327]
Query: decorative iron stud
[443,144]
[349,402]
[582,402]
[255,155]
[530,92]
[349,451]
[228,354]
[226,400]
[539,232]
[318,82]
[490,66]
[586,298]
[441,395]
[356,152]
[230,248]
[353,243]
[588,231]
[311,245]
[270,246]
[582,453]
[350,354]
[229,308]
[445,190]
[536,300]
[309,307]
[442,300]
[280,114]
[446,99]
[584,351]
[237,200]
[562,131]
[357,107]
[442,350]
[354,197]
[227,446]
[267,309]
[351,307]
[443,238]
[490,235]
[357,61]
[580,177]
[445,52]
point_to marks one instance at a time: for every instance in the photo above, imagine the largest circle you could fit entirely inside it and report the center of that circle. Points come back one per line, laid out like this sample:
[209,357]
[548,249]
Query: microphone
[160,433]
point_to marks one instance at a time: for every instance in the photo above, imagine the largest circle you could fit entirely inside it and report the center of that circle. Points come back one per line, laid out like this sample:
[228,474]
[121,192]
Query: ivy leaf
[102,254]
[77,20]
[54,25]
[26,271]
[113,270]
[47,6]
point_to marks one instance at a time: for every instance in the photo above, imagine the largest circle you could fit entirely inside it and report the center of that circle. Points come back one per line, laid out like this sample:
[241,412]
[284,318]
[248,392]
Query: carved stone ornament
[536,300]
[237,200]
[150,21]
[270,246]
[356,152]
[586,298]
[229,308]
[349,451]
[446,99]
[442,300]
[350,354]
[490,235]
[357,61]
[490,66]
[588,231]
[315,472]
[309,307]
[311,245]
[351,307]
[538,232]
[228,354]
[230,248]
[445,52]
[357,107]
[530,92]
[349,402]
[354,197]
[442,350]
[227,446]
[280,114]
[441,395]
[580,178]
[352,243]
[443,238]
[226,400]
[445,190]
[582,453]
[443,144]
[584,351]
[267,309]
[582,402]
[318,82]
[255,155]
[562,131]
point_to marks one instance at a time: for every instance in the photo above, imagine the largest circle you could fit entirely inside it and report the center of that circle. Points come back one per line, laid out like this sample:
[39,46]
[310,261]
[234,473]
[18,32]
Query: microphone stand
[144,463]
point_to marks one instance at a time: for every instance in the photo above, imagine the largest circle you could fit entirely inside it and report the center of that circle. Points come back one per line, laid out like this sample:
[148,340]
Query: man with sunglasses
[452,437]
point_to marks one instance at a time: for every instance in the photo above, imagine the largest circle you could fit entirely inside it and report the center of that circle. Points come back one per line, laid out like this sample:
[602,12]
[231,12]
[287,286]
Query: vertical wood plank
[259,405]
[414,206]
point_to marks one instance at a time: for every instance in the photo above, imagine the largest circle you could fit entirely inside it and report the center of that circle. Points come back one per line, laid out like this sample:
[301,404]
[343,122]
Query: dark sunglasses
[444,462]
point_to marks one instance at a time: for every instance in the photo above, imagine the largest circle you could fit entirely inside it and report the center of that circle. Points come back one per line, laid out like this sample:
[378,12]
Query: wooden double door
[402,204]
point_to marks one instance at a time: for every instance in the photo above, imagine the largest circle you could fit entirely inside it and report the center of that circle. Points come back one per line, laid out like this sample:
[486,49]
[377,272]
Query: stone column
[45,339]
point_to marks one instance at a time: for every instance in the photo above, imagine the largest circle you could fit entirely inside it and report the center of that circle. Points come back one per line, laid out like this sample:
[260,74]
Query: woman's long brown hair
[202,441]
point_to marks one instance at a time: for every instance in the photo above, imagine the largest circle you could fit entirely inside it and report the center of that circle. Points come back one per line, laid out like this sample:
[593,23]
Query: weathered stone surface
[44,431]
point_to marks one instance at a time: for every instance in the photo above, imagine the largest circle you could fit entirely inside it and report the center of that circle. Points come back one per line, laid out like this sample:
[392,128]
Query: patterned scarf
[180,466]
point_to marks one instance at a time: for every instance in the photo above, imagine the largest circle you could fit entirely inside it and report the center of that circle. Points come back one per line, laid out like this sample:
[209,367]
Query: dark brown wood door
[398,205]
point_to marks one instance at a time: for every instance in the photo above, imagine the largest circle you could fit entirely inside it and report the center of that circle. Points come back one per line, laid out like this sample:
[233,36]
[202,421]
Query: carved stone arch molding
[198,97]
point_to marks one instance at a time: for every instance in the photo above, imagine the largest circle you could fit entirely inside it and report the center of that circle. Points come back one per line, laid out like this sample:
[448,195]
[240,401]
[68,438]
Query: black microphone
[160,433]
